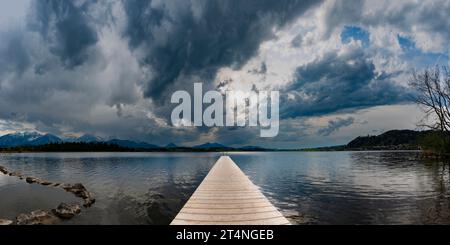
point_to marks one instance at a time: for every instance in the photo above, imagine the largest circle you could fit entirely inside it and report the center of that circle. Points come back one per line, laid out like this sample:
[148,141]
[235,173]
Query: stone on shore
[66,211]
[5,222]
[38,217]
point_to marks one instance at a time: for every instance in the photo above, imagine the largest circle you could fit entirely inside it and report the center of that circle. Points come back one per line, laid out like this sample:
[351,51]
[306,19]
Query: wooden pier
[228,197]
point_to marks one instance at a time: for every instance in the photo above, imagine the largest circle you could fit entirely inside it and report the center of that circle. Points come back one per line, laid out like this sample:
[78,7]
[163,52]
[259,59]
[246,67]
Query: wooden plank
[228,197]
[228,210]
[272,221]
[226,205]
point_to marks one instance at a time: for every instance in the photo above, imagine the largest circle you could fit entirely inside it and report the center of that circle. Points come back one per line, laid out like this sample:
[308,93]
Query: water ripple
[308,187]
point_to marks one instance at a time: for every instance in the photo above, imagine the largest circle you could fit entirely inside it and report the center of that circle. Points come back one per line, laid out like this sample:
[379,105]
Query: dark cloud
[73,68]
[335,125]
[338,82]
[198,37]
[348,11]
[14,57]
[66,28]
[60,73]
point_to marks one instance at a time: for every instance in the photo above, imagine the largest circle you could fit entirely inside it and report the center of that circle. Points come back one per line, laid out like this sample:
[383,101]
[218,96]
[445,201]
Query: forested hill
[390,140]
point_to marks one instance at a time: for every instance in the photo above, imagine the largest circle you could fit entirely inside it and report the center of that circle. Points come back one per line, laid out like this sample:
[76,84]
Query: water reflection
[308,187]
[16,197]
[353,187]
[136,188]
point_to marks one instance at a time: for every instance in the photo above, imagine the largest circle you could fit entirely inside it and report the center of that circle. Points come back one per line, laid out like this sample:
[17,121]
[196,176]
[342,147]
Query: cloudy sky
[108,68]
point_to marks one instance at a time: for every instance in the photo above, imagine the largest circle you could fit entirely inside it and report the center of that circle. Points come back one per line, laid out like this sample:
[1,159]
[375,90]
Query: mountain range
[38,139]
[27,139]
[390,140]
[210,146]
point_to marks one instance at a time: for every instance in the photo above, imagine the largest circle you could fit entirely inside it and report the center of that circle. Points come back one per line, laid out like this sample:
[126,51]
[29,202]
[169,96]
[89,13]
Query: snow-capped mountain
[46,139]
[27,139]
[35,139]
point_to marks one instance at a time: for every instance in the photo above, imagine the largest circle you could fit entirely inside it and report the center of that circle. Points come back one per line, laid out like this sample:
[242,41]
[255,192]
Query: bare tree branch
[433,95]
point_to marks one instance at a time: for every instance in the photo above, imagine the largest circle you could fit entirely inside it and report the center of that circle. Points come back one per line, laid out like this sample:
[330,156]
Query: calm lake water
[308,187]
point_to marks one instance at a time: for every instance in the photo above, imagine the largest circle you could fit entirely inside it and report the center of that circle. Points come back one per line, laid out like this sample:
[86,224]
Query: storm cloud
[108,68]
[339,81]
[65,27]
[182,38]
[105,67]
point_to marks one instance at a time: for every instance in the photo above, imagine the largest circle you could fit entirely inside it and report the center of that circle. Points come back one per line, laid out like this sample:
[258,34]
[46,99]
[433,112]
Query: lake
[307,187]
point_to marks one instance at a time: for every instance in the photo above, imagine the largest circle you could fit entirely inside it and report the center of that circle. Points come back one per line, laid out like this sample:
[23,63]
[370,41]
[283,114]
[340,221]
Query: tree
[433,96]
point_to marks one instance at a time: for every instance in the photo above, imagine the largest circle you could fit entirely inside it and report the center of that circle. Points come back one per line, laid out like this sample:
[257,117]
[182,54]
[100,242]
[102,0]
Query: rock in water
[88,202]
[38,217]
[66,211]
[15,174]
[78,189]
[31,180]
[5,222]
[44,182]
[3,170]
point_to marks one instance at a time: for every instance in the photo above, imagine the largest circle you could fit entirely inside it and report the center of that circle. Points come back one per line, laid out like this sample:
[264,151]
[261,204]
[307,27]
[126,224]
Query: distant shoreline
[191,150]
[393,140]
[236,151]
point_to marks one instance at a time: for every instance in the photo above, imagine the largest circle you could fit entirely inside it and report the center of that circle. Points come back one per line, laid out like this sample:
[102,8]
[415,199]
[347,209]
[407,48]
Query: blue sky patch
[418,57]
[355,33]
[406,43]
